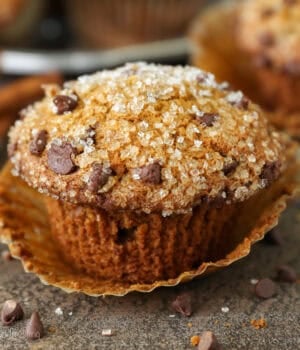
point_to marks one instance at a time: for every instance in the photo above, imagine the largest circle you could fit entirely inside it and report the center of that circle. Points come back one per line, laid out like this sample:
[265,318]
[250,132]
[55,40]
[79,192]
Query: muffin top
[145,137]
[270,29]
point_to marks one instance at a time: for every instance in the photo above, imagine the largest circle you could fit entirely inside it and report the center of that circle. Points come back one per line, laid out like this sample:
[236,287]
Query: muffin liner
[25,228]
[109,23]
[225,59]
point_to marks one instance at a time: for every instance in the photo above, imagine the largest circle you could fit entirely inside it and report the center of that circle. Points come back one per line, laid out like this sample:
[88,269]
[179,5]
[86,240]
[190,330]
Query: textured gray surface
[142,321]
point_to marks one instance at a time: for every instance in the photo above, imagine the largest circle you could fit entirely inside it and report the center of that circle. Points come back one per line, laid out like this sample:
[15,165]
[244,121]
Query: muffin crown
[145,137]
[271,30]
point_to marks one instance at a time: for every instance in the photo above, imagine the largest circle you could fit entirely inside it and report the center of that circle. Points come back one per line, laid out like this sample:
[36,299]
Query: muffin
[260,43]
[146,170]
[110,23]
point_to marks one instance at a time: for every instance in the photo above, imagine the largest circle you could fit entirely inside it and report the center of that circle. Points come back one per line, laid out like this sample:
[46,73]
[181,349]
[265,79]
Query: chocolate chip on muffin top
[148,138]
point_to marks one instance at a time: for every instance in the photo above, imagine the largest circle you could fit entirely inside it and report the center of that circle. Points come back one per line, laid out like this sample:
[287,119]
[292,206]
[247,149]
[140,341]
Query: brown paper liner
[215,50]
[109,23]
[25,228]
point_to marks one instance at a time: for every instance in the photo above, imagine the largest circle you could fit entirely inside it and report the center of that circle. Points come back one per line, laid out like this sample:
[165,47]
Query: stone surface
[142,321]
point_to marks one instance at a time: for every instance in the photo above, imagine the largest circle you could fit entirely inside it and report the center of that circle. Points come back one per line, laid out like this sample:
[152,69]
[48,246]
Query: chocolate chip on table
[286,273]
[207,119]
[60,158]
[150,173]
[34,328]
[11,312]
[183,304]
[38,144]
[64,103]
[270,171]
[265,288]
[266,39]
[230,167]
[274,237]
[98,177]
[208,341]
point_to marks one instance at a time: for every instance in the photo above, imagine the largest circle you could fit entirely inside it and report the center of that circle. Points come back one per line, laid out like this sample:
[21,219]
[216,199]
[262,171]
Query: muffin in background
[258,53]
[110,23]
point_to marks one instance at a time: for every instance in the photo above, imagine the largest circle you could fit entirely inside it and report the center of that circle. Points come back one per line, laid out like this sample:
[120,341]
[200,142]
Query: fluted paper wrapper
[25,227]
[215,50]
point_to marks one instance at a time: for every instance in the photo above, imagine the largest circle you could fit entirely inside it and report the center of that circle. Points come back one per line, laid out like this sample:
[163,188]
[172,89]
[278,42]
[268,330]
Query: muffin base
[229,63]
[25,228]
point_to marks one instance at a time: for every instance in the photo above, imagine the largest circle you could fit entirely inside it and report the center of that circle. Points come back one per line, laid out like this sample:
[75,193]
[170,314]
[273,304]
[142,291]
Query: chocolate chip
[270,171]
[267,39]
[268,12]
[286,273]
[11,312]
[38,144]
[207,119]
[64,104]
[60,158]
[183,304]
[263,61]
[274,237]
[230,167]
[208,341]
[34,328]
[98,177]
[150,173]
[265,288]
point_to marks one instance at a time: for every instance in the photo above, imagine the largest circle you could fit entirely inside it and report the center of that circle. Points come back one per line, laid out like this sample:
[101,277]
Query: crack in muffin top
[148,138]
[270,29]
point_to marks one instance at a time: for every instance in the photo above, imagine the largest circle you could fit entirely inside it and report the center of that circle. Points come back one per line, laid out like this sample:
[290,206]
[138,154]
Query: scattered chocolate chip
[274,237]
[286,273]
[270,171]
[150,173]
[38,144]
[183,304]
[268,12]
[265,288]
[60,158]
[266,39]
[34,328]
[64,103]
[11,312]
[230,167]
[207,119]
[11,149]
[208,341]
[98,177]
[263,61]
[6,255]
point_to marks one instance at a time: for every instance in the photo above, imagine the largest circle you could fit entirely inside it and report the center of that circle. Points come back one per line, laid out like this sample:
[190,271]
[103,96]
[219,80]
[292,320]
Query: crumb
[189,324]
[225,309]
[195,340]
[107,332]
[51,329]
[258,324]
[59,311]
[253,281]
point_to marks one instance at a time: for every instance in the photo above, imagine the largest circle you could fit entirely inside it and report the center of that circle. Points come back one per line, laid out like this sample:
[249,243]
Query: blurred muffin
[110,23]
[17,20]
[258,53]
[144,168]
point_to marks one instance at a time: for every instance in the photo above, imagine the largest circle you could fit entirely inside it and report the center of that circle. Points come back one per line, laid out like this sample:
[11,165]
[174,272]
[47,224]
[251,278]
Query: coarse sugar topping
[146,137]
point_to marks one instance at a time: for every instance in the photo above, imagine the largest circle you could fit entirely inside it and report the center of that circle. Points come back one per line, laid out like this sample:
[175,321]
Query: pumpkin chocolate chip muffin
[144,167]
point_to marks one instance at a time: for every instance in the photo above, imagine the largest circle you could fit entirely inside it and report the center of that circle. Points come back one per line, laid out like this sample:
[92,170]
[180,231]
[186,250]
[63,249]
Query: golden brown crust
[161,137]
